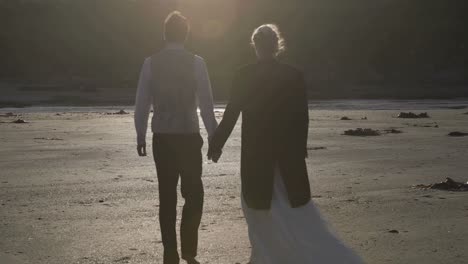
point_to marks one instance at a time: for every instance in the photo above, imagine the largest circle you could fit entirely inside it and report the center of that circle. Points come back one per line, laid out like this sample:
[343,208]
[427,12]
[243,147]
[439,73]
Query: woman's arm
[303,112]
[231,114]
[299,116]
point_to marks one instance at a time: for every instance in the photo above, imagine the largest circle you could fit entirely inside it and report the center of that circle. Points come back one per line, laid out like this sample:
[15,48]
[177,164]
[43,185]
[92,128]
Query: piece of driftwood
[457,134]
[316,148]
[9,114]
[48,138]
[362,132]
[456,107]
[448,185]
[434,125]
[412,115]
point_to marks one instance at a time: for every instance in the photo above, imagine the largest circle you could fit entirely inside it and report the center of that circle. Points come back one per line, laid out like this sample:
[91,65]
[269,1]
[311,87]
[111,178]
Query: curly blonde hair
[267,39]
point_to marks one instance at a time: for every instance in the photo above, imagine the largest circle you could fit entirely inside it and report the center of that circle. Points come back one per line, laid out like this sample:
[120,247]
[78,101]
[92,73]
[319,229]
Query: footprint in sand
[125,259]
[316,148]
[457,134]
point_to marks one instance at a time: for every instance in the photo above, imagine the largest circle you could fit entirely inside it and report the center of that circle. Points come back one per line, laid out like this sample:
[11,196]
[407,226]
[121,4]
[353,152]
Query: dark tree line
[337,43]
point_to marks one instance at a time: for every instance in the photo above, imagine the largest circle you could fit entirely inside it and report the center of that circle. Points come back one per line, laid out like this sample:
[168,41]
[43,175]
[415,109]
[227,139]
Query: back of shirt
[173,88]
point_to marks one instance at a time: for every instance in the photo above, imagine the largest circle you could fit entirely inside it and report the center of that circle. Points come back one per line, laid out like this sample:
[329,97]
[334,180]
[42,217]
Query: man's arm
[142,106]
[205,96]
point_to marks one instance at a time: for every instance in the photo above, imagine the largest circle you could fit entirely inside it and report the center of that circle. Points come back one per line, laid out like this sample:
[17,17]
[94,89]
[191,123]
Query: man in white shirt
[175,82]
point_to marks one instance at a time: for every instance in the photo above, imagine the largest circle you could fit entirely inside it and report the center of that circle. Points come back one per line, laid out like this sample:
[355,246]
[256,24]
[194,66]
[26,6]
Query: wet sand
[72,190]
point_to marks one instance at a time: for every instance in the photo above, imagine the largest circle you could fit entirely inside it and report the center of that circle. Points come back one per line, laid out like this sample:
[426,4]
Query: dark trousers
[179,155]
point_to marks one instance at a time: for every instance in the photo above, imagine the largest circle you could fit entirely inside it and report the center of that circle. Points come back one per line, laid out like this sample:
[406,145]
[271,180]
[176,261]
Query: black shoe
[192,261]
[171,259]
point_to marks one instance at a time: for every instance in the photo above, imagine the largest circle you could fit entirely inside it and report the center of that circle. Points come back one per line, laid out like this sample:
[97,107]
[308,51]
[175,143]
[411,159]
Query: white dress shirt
[144,98]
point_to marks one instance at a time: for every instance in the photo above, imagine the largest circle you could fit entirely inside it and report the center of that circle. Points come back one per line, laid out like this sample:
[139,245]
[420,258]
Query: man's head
[176,28]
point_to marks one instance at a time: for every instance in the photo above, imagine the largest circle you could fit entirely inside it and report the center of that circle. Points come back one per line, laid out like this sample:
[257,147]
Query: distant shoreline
[342,104]
[79,102]
[22,94]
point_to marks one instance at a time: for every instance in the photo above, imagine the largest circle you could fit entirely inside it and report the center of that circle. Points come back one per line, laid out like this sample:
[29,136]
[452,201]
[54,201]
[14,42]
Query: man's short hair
[176,27]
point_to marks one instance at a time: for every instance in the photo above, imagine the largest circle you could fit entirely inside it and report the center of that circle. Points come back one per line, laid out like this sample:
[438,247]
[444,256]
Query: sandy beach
[73,190]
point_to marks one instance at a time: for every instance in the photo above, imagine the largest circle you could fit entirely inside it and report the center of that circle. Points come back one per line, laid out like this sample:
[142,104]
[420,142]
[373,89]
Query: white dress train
[286,235]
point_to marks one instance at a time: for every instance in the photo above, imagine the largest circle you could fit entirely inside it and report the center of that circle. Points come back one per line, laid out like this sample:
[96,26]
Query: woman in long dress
[284,225]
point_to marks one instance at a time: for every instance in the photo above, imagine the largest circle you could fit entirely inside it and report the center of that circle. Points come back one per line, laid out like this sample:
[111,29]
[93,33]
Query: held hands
[141,149]
[214,155]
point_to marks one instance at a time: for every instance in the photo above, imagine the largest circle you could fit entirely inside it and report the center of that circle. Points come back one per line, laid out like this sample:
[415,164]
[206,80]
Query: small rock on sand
[457,134]
[393,131]
[19,121]
[120,112]
[345,118]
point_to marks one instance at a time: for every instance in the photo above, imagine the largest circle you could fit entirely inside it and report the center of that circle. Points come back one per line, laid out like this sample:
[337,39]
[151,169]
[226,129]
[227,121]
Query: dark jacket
[275,121]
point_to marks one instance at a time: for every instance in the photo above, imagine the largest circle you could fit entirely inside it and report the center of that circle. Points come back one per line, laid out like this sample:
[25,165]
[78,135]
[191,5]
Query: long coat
[275,120]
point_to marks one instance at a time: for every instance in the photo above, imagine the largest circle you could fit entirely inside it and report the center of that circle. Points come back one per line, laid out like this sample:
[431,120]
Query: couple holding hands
[284,225]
